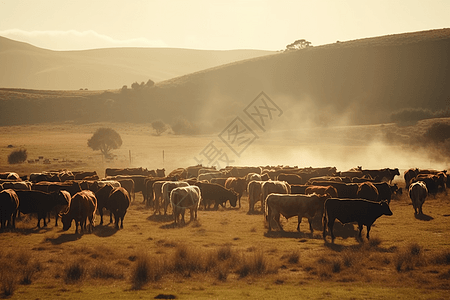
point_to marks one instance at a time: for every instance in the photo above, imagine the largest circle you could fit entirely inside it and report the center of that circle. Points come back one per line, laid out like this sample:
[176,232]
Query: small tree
[105,140]
[298,44]
[17,156]
[159,127]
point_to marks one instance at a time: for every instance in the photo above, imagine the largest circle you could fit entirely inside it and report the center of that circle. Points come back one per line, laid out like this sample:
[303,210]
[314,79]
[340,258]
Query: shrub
[8,279]
[17,156]
[183,126]
[74,272]
[256,264]
[410,258]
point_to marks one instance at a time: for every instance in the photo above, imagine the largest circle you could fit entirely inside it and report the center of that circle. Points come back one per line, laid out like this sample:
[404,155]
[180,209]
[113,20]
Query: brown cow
[237,184]
[82,207]
[368,191]
[290,178]
[290,205]
[321,190]
[418,193]
[9,203]
[254,194]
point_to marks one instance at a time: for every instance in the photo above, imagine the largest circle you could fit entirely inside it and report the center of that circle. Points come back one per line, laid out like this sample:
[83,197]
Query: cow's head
[233,198]
[66,220]
[385,208]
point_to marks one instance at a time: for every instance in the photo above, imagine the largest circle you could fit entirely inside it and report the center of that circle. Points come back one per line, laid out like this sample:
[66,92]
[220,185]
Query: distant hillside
[356,82]
[30,67]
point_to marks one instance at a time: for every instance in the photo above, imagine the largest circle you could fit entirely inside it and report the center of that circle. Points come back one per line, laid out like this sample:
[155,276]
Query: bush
[17,156]
[74,272]
[410,258]
[183,126]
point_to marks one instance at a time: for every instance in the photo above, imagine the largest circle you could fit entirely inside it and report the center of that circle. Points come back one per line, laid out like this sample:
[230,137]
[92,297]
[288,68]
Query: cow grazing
[40,203]
[17,185]
[254,190]
[60,208]
[385,191]
[290,178]
[128,184]
[118,203]
[102,196]
[82,207]
[409,175]
[418,192]
[237,184]
[269,187]
[362,211]
[217,194]
[9,203]
[430,180]
[167,187]
[182,198]
[290,205]
[368,191]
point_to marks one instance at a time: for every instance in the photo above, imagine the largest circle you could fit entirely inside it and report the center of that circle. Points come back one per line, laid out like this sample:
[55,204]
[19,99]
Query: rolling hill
[363,81]
[30,67]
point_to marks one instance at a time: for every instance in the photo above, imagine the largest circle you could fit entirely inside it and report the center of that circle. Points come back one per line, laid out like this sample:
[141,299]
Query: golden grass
[226,254]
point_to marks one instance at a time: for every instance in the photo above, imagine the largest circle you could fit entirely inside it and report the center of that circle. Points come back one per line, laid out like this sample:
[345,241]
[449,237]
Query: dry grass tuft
[253,264]
[104,270]
[8,279]
[410,258]
[74,272]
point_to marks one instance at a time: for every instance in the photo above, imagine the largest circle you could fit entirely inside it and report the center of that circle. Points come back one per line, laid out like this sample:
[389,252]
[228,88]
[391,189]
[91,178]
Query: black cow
[217,194]
[40,203]
[9,202]
[362,211]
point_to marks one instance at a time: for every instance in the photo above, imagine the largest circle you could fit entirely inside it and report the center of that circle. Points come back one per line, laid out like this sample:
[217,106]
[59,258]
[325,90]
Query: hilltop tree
[105,140]
[159,127]
[298,44]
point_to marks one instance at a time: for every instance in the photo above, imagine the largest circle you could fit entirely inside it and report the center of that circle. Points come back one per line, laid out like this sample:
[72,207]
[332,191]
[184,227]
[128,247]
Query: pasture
[225,254]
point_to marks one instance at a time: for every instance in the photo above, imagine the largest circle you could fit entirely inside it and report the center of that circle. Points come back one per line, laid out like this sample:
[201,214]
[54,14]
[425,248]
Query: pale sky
[212,24]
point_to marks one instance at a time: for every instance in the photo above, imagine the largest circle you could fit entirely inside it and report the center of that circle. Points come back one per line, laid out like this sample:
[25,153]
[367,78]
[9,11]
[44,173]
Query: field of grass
[226,254]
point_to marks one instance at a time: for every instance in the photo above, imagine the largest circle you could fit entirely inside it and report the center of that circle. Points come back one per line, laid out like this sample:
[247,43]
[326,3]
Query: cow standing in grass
[182,198]
[290,205]
[9,203]
[362,211]
[418,193]
[82,207]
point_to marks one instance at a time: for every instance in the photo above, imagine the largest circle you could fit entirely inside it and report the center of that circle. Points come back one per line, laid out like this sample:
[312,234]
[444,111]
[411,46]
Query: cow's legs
[298,223]
[360,227]
[310,220]
[368,229]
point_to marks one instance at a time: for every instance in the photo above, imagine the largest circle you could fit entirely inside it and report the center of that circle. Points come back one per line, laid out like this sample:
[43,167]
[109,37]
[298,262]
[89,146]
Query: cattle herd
[357,195]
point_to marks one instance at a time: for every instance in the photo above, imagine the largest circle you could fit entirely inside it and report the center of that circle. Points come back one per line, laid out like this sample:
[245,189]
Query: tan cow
[182,198]
[237,184]
[269,187]
[254,190]
[167,187]
[82,207]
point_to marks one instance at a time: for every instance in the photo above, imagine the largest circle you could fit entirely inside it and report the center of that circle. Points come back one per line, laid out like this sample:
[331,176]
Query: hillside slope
[26,66]
[357,82]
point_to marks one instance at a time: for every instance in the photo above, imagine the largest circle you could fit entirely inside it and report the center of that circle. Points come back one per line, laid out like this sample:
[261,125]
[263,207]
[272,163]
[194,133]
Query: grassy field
[226,254]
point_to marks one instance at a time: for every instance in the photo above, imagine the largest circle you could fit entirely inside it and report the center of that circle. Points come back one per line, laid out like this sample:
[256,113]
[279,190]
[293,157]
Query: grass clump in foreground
[410,258]
[188,261]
